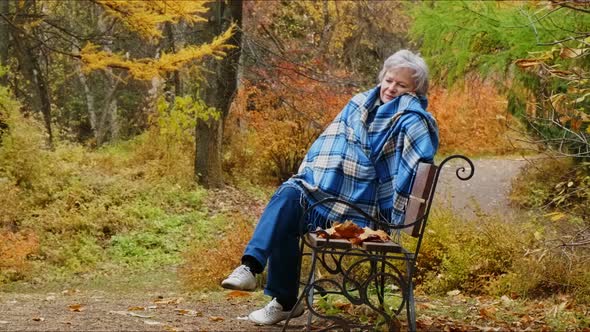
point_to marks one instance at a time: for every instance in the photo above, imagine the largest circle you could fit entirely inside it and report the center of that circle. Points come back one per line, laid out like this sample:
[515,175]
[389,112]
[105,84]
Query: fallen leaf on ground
[488,312]
[76,307]
[152,322]
[187,312]
[127,313]
[526,319]
[454,292]
[135,308]
[132,314]
[173,300]
[216,319]
[38,319]
[425,305]
[70,291]
[424,321]
[237,293]
[506,300]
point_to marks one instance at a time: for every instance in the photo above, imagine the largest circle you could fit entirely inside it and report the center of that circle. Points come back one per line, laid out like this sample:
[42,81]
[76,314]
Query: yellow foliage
[146,69]
[144,17]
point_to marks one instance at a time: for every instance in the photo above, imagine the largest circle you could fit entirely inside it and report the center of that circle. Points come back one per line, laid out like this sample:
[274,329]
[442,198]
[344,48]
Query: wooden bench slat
[419,196]
[317,241]
[389,246]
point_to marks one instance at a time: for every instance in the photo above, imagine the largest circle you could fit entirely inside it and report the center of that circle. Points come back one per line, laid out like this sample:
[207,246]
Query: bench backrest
[419,198]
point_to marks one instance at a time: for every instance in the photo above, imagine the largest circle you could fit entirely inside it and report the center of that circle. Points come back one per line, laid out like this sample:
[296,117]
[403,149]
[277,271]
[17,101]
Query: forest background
[121,121]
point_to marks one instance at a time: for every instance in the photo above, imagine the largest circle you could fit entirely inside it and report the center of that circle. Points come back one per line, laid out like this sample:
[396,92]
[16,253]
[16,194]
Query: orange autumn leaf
[370,235]
[237,293]
[76,307]
[135,308]
[348,230]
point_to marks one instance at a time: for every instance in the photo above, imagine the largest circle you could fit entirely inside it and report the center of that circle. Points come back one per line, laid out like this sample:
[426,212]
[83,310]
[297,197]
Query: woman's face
[397,82]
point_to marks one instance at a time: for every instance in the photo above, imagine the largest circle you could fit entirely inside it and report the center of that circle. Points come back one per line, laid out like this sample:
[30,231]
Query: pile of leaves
[353,233]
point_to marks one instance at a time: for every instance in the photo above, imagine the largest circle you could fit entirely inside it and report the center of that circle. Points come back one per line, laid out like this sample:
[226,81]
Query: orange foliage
[207,264]
[14,250]
[472,120]
[273,123]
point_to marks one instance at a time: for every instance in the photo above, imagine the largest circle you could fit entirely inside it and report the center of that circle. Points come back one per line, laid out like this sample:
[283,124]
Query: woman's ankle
[252,263]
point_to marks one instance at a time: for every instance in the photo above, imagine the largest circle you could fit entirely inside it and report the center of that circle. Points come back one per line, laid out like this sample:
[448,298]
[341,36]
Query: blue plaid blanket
[368,156]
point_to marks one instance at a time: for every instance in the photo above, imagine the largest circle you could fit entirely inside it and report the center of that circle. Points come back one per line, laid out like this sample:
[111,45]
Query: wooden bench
[378,276]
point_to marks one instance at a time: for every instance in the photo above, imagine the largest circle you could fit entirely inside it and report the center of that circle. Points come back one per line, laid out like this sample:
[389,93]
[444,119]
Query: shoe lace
[241,272]
[272,308]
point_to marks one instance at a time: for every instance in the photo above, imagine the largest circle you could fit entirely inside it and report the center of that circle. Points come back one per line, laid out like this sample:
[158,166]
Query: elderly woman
[368,156]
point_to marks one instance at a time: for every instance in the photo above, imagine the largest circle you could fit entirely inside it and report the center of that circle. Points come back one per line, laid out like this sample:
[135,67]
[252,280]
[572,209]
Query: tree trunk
[4,38]
[30,68]
[171,46]
[219,94]
[90,104]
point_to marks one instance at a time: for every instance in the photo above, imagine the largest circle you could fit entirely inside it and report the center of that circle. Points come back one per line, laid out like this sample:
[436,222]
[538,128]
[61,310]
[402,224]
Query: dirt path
[158,303]
[487,192]
[103,310]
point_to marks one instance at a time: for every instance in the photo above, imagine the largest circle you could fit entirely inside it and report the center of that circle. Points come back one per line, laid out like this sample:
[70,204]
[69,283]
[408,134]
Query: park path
[487,192]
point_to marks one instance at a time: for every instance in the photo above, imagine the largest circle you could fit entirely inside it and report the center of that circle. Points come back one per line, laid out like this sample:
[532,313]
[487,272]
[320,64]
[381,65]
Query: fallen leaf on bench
[370,235]
[353,233]
[348,230]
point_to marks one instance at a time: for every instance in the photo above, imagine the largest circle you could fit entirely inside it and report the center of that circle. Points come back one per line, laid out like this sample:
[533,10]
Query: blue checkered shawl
[368,159]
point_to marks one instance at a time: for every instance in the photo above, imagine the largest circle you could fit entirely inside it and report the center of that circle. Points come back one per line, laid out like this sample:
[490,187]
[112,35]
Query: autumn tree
[537,52]
[27,39]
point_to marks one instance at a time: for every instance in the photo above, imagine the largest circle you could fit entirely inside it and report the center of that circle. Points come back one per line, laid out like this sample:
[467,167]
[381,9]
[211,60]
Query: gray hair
[407,59]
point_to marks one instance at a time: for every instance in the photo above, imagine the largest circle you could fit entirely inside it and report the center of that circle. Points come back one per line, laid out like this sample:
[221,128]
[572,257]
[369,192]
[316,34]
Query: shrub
[15,249]
[559,190]
[554,185]
[210,259]
[468,254]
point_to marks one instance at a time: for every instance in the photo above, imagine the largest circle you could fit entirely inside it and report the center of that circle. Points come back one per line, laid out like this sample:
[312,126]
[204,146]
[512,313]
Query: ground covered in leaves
[158,303]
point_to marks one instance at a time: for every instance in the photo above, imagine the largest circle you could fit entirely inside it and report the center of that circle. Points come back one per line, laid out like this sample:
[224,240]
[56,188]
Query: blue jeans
[276,240]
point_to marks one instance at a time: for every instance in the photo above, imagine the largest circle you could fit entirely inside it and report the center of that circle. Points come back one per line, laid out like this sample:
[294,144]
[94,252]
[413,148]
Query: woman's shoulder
[361,98]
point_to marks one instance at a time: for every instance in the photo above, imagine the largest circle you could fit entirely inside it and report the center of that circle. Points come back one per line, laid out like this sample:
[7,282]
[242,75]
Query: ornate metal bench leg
[411,307]
[311,289]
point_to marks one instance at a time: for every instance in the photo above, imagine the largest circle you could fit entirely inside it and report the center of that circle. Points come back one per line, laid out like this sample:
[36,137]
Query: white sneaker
[273,313]
[240,279]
